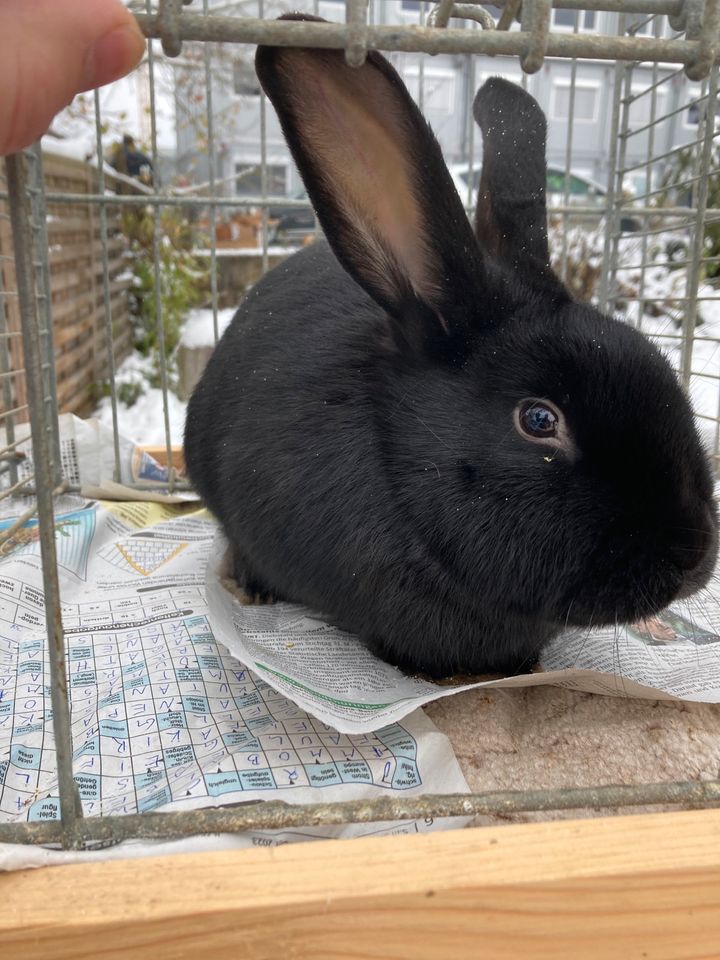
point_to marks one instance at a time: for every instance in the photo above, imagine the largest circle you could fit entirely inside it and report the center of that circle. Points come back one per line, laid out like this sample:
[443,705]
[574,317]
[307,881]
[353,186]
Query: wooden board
[76,274]
[618,888]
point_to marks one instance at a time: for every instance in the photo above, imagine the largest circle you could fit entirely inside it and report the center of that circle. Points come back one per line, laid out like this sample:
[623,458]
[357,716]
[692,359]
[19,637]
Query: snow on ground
[666,292]
[144,420]
[704,385]
[198,330]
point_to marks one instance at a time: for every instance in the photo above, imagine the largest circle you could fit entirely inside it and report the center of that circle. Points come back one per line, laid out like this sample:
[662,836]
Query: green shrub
[182,282]
[130,392]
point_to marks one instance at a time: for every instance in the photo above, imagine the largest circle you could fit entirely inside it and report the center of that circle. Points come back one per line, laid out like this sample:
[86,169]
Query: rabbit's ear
[378,182]
[511,216]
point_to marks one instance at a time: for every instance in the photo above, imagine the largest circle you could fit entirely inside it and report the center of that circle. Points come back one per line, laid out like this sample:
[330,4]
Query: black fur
[375,474]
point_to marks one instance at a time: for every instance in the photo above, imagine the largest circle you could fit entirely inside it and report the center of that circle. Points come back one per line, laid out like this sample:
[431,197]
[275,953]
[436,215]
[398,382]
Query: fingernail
[113,55]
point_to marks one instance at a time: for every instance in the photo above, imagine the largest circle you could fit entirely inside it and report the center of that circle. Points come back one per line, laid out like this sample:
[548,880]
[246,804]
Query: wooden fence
[76,277]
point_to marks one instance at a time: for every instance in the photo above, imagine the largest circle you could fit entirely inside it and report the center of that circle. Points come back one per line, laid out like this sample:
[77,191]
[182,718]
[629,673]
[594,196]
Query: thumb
[52,50]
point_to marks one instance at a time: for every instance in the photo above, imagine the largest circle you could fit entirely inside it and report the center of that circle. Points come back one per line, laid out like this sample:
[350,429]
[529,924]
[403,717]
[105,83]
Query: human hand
[54,49]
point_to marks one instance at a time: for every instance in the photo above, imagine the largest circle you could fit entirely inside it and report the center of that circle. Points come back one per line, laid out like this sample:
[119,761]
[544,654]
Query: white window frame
[662,102]
[648,27]
[333,8]
[444,73]
[579,85]
[252,97]
[692,94]
[513,76]
[412,16]
[564,28]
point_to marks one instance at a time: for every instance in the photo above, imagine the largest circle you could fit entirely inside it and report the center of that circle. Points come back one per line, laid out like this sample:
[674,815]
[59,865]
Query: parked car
[582,192]
[290,225]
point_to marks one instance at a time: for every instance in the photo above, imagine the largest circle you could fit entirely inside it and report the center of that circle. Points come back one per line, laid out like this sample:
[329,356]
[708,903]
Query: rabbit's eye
[538,420]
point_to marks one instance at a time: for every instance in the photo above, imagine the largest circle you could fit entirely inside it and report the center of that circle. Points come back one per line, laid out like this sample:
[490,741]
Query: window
[410,10]
[585,108]
[329,9]
[639,25]
[641,109]
[438,88]
[565,19]
[693,115]
[245,83]
[511,75]
[697,111]
[496,12]
[249,179]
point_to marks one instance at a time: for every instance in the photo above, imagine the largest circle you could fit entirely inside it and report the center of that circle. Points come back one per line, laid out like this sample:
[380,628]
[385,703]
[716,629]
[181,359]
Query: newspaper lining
[163,717]
[331,675]
[87,456]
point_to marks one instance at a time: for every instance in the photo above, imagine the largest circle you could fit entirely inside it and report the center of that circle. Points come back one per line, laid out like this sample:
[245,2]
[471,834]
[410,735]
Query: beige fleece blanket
[549,737]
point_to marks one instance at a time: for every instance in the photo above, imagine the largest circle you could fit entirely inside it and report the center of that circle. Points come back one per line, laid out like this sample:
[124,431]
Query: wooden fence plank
[619,888]
[76,273]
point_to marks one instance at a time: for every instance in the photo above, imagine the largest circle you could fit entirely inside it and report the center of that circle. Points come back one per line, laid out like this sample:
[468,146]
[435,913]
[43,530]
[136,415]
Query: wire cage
[631,91]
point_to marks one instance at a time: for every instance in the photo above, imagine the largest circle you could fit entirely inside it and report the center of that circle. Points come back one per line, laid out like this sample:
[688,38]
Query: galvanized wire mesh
[662,200]
[680,189]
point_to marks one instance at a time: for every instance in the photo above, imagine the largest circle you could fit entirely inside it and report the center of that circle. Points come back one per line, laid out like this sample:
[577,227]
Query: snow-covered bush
[182,281]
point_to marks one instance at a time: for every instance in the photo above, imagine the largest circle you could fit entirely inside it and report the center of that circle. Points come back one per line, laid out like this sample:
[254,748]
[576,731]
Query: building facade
[444,85]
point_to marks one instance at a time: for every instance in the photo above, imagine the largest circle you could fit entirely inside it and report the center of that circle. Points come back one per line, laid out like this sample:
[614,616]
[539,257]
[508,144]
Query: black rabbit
[415,430]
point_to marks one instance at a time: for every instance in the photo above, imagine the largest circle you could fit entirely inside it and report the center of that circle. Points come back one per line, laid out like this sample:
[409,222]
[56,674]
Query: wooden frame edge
[620,887]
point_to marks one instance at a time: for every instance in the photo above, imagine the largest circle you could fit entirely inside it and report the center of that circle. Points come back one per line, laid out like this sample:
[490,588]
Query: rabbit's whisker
[427,426]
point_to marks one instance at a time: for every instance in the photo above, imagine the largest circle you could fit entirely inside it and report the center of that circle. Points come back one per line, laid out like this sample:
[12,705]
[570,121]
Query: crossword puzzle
[143,555]
[163,714]
[73,536]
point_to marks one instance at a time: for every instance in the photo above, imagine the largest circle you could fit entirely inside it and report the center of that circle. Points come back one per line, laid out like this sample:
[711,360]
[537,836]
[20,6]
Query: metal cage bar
[106,286]
[272,814]
[425,39]
[697,250]
[21,213]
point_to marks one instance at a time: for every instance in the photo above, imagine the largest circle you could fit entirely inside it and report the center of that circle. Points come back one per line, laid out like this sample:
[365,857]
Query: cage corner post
[39,358]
